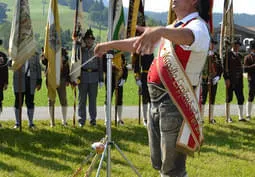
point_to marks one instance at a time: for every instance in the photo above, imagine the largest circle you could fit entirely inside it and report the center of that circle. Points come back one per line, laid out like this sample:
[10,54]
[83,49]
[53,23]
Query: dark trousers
[28,96]
[205,93]
[1,99]
[118,90]
[251,91]
[145,92]
[238,92]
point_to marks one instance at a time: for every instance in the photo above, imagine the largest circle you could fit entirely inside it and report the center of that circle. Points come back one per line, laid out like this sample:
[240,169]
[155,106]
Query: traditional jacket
[35,75]
[249,66]
[233,70]
[93,71]
[3,70]
[216,67]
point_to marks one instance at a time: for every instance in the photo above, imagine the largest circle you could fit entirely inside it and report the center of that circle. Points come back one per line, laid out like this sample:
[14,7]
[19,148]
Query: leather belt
[158,92]
[89,70]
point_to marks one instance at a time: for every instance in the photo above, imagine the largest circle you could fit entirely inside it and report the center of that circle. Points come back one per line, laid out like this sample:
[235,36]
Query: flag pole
[20,100]
[109,57]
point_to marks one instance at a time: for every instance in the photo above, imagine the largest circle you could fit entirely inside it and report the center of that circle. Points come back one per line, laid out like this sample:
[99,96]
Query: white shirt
[199,48]
[200,32]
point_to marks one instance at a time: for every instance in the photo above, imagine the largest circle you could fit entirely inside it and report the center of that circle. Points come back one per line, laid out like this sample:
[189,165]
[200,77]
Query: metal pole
[109,57]
[108,111]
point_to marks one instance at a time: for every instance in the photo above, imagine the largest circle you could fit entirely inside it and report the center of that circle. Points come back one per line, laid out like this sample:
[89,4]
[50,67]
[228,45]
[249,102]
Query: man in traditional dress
[119,77]
[61,90]
[26,80]
[173,102]
[141,68]
[211,71]
[249,67]
[91,76]
[233,75]
[4,77]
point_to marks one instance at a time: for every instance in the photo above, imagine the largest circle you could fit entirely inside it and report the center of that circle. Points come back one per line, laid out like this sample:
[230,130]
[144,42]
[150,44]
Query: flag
[171,14]
[211,17]
[135,17]
[132,17]
[21,44]
[119,32]
[118,21]
[227,28]
[76,48]
[52,49]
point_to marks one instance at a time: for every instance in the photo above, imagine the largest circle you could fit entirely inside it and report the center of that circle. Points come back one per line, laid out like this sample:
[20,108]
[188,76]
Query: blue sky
[240,6]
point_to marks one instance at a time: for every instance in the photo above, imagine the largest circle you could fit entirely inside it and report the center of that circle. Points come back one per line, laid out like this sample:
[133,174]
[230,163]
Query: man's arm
[145,44]
[248,66]
[123,45]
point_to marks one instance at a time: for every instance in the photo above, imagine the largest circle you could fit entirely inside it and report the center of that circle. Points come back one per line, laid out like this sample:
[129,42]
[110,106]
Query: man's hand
[100,49]
[101,84]
[139,83]
[145,44]
[121,82]
[5,87]
[227,82]
[38,87]
[215,80]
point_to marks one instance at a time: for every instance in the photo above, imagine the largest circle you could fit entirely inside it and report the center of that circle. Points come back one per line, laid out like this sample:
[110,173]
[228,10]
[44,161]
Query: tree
[5,29]
[3,9]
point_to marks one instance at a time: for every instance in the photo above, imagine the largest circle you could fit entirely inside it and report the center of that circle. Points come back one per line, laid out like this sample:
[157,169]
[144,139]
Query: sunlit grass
[228,150]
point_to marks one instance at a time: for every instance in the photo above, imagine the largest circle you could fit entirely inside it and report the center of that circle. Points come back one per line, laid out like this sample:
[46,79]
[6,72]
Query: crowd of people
[92,77]
[28,80]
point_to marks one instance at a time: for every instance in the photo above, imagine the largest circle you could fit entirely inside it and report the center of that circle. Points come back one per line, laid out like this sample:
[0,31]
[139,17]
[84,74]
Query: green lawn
[228,150]
[130,93]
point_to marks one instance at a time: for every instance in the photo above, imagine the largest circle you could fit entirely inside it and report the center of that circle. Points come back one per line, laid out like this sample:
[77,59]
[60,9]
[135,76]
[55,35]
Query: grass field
[228,151]
[130,93]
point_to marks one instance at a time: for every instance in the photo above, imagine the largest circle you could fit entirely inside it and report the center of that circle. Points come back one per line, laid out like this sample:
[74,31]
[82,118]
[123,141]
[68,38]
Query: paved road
[128,112]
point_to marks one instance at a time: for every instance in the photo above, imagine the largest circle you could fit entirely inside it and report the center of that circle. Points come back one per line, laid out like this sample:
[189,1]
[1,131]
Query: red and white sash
[179,88]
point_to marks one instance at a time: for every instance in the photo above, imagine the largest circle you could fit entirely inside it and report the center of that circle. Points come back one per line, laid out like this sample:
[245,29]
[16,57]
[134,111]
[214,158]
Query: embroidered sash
[179,88]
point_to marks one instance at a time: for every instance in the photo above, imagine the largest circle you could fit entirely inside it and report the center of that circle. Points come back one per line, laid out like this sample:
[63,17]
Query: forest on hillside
[95,11]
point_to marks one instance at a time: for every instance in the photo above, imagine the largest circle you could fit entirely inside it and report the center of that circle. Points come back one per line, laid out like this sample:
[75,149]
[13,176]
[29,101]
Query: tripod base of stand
[108,144]
[95,156]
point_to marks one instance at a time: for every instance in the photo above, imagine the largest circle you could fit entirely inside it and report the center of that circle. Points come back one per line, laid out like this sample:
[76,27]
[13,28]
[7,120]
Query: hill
[240,19]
